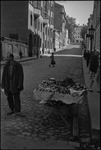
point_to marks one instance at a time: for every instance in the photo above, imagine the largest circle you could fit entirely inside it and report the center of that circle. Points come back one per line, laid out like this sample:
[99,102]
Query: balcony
[45,21]
[37,12]
[45,18]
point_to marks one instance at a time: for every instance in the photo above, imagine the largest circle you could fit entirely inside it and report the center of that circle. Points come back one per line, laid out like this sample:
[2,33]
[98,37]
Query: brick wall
[14,18]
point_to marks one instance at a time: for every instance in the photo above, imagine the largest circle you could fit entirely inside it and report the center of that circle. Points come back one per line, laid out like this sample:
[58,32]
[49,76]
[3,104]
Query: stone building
[94,20]
[56,40]
[31,22]
[96,24]
[59,26]
[88,41]
[77,39]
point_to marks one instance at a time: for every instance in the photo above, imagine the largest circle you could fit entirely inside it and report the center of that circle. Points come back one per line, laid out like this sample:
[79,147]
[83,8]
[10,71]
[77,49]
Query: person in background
[40,54]
[85,52]
[20,54]
[98,76]
[12,84]
[52,60]
[93,68]
[87,58]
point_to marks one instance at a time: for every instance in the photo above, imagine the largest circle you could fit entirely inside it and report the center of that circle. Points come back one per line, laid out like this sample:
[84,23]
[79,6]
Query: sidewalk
[21,60]
[93,100]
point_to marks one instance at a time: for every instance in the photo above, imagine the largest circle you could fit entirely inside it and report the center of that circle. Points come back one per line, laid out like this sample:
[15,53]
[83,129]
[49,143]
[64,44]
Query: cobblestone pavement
[36,130]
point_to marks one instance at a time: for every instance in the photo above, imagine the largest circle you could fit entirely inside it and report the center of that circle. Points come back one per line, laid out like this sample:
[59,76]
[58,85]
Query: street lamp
[91,35]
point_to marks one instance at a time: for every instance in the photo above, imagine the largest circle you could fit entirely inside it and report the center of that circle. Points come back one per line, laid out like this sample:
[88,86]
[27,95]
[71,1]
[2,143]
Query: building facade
[77,39]
[88,41]
[59,25]
[67,40]
[94,20]
[31,22]
[44,23]
[96,24]
[14,19]
[56,40]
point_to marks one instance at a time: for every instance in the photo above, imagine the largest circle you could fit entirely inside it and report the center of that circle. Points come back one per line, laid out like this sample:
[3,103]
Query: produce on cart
[52,90]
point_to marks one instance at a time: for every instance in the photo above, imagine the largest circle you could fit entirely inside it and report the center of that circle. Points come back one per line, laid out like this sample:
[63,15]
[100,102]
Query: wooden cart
[63,104]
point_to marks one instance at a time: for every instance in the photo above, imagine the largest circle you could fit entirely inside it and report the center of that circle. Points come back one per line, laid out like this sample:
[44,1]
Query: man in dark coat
[87,58]
[94,63]
[12,84]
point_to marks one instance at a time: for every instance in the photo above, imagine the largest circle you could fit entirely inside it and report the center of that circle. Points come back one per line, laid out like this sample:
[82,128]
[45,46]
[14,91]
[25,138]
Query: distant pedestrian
[52,60]
[40,54]
[12,84]
[93,68]
[87,58]
[20,54]
[84,55]
[98,77]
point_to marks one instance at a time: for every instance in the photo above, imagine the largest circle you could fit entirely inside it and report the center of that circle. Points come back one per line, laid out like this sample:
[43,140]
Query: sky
[80,10]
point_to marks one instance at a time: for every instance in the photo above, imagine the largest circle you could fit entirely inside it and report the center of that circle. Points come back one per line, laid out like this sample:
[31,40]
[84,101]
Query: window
[31,19]
[38,24]
[35,22]
[41,27]
[48,32]
[48,44]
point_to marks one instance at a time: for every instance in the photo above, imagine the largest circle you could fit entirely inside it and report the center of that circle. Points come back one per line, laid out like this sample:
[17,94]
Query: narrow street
[58,48]
[36,130]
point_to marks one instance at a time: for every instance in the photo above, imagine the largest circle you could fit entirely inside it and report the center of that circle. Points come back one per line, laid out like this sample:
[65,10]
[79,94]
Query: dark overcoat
[52,60]
[16,83]
[94,64]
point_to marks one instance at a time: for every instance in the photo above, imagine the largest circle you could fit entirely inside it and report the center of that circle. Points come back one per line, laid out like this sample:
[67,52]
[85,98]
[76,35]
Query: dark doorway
[37,44]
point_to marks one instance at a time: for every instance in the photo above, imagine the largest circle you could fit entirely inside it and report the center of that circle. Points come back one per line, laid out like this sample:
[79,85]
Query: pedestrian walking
[98,77]
[20,54]
[93,68]
[40,54]
[52,60]
[12,84]
[84,55]
[87,58]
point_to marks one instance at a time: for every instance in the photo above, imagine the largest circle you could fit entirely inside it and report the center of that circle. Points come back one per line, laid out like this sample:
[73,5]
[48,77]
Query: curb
[22,60]
[87,99]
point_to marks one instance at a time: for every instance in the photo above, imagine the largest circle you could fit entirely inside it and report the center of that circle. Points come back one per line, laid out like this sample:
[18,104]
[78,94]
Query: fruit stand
[63,96]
